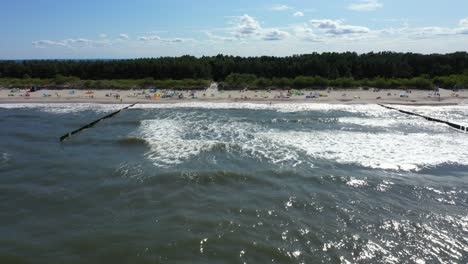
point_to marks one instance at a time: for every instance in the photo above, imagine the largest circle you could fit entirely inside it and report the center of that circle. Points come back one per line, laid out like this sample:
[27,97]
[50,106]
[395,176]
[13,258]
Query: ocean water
[232,183]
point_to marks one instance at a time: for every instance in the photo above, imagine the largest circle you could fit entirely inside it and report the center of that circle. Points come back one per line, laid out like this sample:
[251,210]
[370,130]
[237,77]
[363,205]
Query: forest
[316,70]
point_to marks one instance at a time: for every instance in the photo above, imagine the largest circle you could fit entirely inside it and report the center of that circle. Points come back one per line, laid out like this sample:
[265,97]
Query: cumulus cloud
[67,43]
[280,7]
[158,38]
[306,33]
[149,38]
[365,5]
[416,33]
[247,26]
[48,43]
[298,14]
[336,27]
[429,32]
[274,34]
[124,36]
[463,22]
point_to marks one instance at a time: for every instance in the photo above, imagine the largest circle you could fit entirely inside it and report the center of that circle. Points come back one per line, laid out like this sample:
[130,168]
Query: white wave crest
[172,141]
[379,150]
[64,108]
[368,109]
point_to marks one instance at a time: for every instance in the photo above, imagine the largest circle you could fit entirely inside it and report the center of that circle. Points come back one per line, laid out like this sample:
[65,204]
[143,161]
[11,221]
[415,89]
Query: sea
[233,183]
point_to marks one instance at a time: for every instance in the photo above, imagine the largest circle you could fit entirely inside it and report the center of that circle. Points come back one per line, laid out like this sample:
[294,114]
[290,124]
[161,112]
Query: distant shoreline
[167,96]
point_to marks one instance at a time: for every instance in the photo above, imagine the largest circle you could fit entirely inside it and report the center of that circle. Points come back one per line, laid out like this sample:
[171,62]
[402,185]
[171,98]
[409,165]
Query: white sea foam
[370,122]
[175,140]
[201,244]
[456,113]
[390,150]
[367,109]
[167,142]
[5,157]
[180,137]
[381,150]
[356,183]
[384,186]
[64,108]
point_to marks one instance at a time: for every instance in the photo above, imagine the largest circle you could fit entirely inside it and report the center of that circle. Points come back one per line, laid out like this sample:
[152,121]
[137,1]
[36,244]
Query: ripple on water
[5,158]
[373,210]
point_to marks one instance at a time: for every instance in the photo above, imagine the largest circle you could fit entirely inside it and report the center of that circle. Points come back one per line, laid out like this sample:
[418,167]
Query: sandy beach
[332,96]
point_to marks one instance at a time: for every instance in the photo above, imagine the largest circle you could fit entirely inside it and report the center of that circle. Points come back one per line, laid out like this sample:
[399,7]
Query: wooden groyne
[68,135]
[453,125]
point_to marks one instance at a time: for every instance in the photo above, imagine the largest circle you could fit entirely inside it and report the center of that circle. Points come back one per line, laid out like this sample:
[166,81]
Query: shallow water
[233,183]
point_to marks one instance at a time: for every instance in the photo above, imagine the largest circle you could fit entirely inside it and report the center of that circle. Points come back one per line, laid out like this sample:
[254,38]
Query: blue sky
[45,29]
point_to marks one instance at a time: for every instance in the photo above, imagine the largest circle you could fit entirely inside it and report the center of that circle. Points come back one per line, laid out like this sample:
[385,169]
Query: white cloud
[462,31]
[103,35]
[124,36]
[280,7]
[365,5]
[149,38]
[67,43]
[336,27]
[247,26]
[306,33]
[463,22]
[158,38]
[245,29]
[47,43]
[429,32]
[175,40]
[219,38]
[298,14]
[274,34]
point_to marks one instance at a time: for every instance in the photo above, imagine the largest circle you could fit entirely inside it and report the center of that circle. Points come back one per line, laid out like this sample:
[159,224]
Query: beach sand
[333,96]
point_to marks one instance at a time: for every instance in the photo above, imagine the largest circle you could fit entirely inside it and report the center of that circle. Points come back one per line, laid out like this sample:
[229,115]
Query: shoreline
[342,96]
[419,103]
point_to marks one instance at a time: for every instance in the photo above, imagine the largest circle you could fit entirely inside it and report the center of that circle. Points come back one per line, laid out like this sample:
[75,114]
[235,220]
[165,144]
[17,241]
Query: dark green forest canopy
[326,65]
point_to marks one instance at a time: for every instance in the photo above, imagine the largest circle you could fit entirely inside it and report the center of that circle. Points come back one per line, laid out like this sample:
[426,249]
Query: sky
[107,29]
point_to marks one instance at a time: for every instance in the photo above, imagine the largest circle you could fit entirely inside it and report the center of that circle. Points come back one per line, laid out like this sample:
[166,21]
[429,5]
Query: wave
[64,108]
[404,144]
[173,142]
[457,113]
[405,147]
[388,151]
[370,109]
[5,157]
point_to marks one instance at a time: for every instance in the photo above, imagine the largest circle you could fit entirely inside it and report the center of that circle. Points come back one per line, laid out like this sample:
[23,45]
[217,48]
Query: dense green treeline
[345,70]
[235,80]
[326,65]
[248,81]
[73,82]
